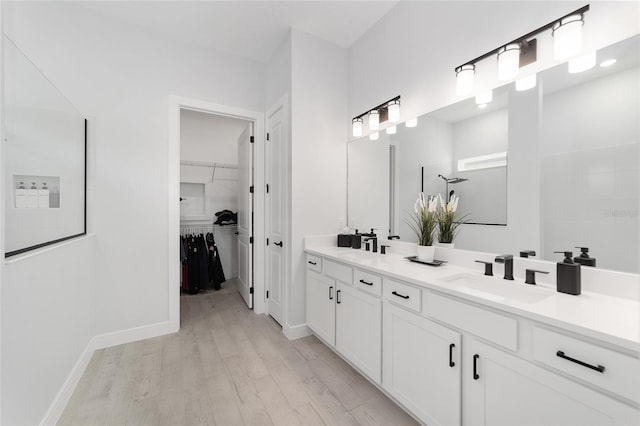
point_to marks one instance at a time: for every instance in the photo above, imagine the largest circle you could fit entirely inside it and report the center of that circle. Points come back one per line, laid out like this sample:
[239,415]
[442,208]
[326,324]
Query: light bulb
[482,106]
[526,83]
[394,111]
[582,63]
[391,130]
[464,79]
[411,123]
[374,136]
[356,124]
[374,120]
[567,37]
[608,62]
[508,61]
[484,97]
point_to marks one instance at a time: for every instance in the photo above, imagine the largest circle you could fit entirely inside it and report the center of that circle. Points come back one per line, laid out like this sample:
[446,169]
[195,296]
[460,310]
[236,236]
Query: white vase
[446,245]
[426,253]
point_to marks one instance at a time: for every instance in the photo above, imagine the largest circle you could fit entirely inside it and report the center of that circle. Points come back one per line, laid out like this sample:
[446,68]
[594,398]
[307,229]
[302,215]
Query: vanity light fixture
[390,110]
[526,83]
[482,106]
[391,130]
[356,125]
[484,97]
[411,123]
[374,136]
[567,41]
[608,62]
[582,63]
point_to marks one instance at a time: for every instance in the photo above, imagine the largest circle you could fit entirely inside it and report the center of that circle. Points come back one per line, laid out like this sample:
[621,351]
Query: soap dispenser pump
[584,258]
[568,275]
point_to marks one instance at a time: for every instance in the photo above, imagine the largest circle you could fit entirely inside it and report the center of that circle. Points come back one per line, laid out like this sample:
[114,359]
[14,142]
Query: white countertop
[606,318]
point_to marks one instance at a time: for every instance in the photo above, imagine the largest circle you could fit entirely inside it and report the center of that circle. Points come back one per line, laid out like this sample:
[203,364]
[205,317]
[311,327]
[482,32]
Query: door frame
[176,103]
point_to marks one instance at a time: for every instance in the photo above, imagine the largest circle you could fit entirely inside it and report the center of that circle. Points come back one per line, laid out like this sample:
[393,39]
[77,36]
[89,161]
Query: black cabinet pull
[312,263]
[475,367]
[599,368]
[451,363]
[278,244]
[331,293]
[395,293]
[338,296]
[365,282]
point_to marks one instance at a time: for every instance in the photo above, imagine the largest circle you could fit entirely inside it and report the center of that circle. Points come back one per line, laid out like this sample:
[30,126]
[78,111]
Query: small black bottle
[356,240]
[568,275]
[584,259]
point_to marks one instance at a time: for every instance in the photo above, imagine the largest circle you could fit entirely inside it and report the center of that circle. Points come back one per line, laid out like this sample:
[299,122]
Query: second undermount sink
[496,288]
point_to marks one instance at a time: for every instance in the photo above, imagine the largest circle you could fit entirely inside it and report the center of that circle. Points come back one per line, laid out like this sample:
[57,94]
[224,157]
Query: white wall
[318,152]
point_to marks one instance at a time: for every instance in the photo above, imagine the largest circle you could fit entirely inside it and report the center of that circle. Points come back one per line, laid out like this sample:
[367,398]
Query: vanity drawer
[402,294]
[368,283]
[338,271]
[593,363]
[314,263]
[489,325]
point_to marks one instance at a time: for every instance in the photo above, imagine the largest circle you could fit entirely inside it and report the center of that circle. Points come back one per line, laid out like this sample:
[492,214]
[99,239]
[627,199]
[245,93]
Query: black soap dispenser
[584,258]
[568,275]
[356,240]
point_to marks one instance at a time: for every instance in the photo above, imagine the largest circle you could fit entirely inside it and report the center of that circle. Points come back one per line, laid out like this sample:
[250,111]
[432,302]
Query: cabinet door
[506,390]
[359,330]
[421,365]
[321,308]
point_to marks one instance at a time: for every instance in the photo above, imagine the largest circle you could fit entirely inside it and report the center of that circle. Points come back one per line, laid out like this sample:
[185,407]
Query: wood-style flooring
[227,366]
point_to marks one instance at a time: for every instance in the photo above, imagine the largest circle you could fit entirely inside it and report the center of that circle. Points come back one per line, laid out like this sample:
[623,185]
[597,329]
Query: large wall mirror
[44,147]
[547,169]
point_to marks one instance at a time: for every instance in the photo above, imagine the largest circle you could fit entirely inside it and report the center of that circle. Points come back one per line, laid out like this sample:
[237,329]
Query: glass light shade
[391,130]
[484,97]
[356,125]
[394,111]
[464,79]
[374,136]
[411,123]
[526,83]
[567,37]
[374,120]
[508,61]
[582,63]
[608,62]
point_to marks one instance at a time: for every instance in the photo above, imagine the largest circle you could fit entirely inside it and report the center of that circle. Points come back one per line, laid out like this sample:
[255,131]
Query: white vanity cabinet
[422,367]
[506,390]
[321,307]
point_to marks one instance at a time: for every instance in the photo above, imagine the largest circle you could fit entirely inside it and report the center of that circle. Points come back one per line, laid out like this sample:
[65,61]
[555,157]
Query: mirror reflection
[570,176]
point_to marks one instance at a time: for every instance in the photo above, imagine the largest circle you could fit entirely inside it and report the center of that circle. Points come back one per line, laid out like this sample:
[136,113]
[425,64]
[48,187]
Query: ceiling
[250,29]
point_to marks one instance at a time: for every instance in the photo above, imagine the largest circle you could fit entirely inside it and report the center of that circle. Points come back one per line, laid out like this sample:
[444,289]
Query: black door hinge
[251,290]
[267,136]
[267,294]
[251,139]
[250,240]
[267,188]
[267,241]
[251,189]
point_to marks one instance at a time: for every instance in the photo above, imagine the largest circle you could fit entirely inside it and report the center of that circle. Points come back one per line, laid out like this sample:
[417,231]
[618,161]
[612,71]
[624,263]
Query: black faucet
[507,259]
[393,237]
[375,243]
[527,253]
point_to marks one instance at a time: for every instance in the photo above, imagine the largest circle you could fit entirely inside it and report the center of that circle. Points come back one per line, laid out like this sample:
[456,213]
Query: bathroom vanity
[455,347]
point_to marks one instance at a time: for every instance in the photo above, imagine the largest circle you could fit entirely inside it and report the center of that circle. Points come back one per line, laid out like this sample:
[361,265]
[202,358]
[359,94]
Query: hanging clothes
[216,273]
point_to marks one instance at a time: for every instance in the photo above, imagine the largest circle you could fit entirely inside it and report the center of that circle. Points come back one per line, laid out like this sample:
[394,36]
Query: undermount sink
[496,288]
[359,255]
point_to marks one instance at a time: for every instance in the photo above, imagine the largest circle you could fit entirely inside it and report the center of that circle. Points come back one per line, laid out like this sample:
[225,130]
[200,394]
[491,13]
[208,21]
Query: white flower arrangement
[424,221]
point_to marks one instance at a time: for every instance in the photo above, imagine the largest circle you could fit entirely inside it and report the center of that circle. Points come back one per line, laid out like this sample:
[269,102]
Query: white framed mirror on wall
[555,166]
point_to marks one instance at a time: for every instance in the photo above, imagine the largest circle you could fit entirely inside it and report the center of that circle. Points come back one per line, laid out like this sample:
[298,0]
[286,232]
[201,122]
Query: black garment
[193,265]
[203,261]
[226,217]
[216,273]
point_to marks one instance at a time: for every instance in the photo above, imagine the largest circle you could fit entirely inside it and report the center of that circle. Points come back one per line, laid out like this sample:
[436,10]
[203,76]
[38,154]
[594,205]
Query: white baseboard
[296,331]
[99,342]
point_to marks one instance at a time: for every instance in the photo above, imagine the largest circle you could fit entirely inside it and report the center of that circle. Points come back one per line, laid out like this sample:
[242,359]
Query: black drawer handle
[338,296]
[599,368]
[278,244]
[312,263]
[331,293]
[475,367]
[365,282]
[451,363]
[395,293]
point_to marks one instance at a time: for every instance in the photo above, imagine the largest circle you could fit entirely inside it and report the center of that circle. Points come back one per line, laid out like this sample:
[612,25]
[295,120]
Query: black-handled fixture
[278,244]
[367,246]
[476,376]
[331,293]
[451,363]
[383,249]
[395,293]
[507,259]
[488,267]
[375,242]
[366,282]
[312,263]
[393,237]
[527,253]
[338,296]
[530,275]
[598,368]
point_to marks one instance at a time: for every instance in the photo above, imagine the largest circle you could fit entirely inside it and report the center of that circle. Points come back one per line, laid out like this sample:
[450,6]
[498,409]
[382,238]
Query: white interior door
[275,211]
[245,216]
